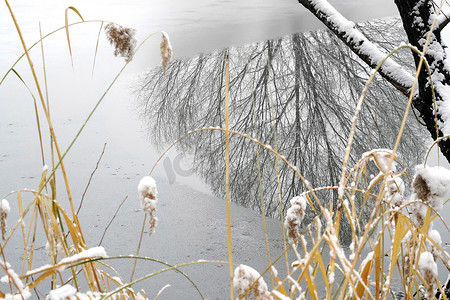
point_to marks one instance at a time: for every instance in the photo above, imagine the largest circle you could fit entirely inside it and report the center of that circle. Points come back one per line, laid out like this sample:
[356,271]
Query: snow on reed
[431,185]
[244,277]
[148,194]
[4,211]
[64,292]
[69,292]
[395,189]
[294,217]
[429,271]
[86,254]
[435,240]
[13,280]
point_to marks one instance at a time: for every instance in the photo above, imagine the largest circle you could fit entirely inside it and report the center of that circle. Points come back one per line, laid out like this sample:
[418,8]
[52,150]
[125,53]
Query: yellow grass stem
[227,178]
[47,114]
[391,159]
[269,268]
[138,250]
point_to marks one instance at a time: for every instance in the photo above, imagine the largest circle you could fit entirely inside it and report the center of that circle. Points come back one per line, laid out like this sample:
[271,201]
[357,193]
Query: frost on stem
[294,217]
[4,211]
[148,196]
[166,50]
[429,271]
[244,277]
[122,38]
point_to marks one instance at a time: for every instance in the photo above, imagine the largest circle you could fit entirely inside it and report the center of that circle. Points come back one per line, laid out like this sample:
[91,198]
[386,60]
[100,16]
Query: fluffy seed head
[166,50]
[122,38]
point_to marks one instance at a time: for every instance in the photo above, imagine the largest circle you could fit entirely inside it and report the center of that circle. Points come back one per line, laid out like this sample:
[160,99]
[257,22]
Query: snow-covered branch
[359,44]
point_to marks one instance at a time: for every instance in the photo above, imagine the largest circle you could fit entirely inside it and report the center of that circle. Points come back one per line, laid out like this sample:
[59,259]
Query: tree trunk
[417,17]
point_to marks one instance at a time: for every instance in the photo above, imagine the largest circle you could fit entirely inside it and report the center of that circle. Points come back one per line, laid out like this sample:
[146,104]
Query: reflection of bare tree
[301,90]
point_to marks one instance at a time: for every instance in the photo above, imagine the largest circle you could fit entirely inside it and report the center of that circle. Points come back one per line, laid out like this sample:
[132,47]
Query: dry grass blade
[364,283]
[162,290]
[66,18]
[36,114]
[400,231]
[96,48]
[378,268]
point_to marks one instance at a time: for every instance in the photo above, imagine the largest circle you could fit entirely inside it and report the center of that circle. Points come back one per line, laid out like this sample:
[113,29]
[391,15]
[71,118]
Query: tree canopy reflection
[297,93]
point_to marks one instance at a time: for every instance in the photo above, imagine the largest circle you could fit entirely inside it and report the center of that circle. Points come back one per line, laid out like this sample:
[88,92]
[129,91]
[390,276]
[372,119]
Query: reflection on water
[296,94]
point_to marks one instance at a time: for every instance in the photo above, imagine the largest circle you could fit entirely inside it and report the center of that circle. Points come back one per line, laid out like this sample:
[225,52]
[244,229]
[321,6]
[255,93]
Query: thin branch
[90,178]
[112,219]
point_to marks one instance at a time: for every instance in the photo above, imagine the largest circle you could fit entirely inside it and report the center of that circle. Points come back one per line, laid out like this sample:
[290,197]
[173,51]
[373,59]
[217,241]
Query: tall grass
[392,236]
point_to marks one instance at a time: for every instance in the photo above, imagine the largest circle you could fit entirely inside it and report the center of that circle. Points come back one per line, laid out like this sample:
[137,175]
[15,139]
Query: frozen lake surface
[192,222]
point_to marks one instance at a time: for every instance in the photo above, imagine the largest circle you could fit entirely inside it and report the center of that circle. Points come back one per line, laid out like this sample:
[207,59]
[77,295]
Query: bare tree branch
[346,31]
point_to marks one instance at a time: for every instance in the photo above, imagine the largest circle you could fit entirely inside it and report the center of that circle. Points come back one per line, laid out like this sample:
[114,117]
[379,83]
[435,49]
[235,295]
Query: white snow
[12,277]
[427,263]
[61,293]
[438,182]
[279,295]
[147,191]
[244,277]
[39,269]
[4,206]
[86,254]
[435,236]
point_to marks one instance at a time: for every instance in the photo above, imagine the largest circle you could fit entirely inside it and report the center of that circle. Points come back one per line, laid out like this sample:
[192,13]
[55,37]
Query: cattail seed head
[294,217]
[429,271]
[395,188]
[435,236]
[431,185]
[244,277]
[148,194]
[4,211]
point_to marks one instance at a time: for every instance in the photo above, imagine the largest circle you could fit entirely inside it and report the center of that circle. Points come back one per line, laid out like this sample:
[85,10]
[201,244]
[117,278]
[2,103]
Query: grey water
[192,222]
